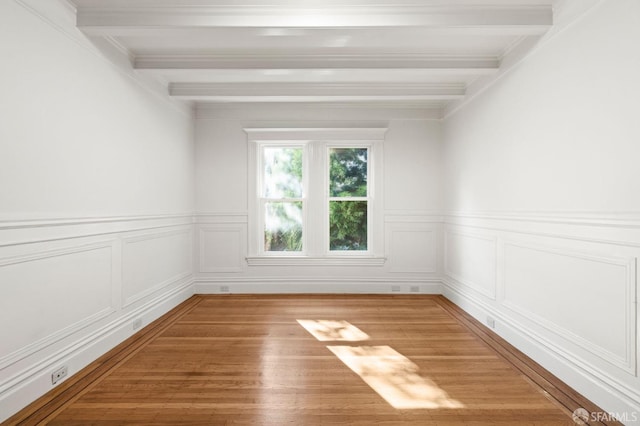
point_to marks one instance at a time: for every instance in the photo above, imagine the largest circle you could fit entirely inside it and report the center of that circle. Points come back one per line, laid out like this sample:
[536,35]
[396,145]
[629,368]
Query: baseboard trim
[26,386]
[594,387]
[317,286]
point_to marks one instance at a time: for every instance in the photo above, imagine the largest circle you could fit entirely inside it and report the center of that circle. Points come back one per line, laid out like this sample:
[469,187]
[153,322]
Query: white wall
[96,196]
[537,175]
[541,192]
[412,204]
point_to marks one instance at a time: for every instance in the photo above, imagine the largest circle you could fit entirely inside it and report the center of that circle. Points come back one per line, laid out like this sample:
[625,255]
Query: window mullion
[315,199]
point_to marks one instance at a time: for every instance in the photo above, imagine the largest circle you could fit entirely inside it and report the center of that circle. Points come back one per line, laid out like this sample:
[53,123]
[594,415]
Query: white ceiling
[423,53]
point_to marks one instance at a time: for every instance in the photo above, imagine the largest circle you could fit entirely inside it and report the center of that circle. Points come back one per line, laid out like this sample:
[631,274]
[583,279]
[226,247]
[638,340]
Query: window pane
[282,172]
[283,226]
[348,225]
[348,172]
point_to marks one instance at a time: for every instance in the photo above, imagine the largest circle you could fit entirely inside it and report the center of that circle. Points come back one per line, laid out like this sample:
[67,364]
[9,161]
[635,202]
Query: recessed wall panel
[586,299]
[51,294]
[471,260]
[222,248]
[412,248]
[153,261]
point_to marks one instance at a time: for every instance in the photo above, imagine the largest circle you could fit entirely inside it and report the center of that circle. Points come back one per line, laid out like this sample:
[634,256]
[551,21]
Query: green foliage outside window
[283,190]
[283,180]
[348,225]
[348,219]
[348,172]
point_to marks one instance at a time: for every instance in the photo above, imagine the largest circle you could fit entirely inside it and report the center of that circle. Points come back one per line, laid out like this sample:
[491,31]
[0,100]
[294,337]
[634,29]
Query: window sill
[315,261]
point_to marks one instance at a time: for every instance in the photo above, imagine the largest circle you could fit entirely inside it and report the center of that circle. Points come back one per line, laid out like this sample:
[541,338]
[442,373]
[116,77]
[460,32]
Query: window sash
[263,201]
[328,199]
[316,197]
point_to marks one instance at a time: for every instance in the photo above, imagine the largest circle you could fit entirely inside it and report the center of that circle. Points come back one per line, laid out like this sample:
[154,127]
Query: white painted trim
[596,385]
[179,279]
[221,214]
[288,285]
[46,341]
[528,47]
[468,283]
[69,229]
[458,65]
[171,280]
[410,226]
[328,134]
[347,259]
[46,254]
[336,112]
[61,15]
[88,220]
[314,92]
[498,223]
[222,227]
[119,19]
[626,363]
[607,219]
[154,235]
[314,142]
[43,343]
[27,385]
[411,217]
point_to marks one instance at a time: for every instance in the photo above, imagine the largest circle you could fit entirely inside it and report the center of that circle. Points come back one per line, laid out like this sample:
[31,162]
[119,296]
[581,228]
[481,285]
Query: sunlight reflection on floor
[394,377]
[332,330]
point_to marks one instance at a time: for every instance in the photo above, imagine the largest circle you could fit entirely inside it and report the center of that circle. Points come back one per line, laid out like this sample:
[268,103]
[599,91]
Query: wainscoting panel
[40,291]
[409,260]
[564,292]
[73,288]
[222,248]
[559,290]
[412,247]
[154,260]
[470,259]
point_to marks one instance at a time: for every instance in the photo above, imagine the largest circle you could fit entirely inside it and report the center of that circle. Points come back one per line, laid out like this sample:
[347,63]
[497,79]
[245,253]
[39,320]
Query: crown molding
[566,14]
[61,16]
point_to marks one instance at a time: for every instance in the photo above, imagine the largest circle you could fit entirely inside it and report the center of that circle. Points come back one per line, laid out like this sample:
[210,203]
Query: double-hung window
[348,200]
[313,194]
[282,197]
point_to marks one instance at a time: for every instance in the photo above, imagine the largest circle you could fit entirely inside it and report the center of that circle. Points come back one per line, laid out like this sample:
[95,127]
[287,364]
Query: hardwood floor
[311,360]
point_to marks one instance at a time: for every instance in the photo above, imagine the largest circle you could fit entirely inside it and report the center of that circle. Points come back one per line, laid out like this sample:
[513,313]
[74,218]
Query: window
[348,199]
[312,196]
[281,198]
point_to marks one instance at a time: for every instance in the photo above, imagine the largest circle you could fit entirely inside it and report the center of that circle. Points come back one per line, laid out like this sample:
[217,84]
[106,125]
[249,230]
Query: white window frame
[316,144]
[262,201]
[369,199]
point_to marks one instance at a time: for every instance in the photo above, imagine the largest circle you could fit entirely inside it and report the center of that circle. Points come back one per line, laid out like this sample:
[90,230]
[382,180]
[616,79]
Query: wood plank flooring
[374,360]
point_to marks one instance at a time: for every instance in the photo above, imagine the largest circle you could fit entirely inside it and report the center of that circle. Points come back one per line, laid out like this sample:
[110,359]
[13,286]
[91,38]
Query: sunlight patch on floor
[394,377]
[334,330]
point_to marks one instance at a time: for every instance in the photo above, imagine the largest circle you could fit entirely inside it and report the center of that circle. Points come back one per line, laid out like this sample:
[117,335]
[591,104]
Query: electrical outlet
[491,322]
[224,289]
[137,323]
[59,374]
[395,288]
[415,289]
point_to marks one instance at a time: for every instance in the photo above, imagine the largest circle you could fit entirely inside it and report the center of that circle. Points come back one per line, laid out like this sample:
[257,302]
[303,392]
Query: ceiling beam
[117,21]
[450,65]
[314,92]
